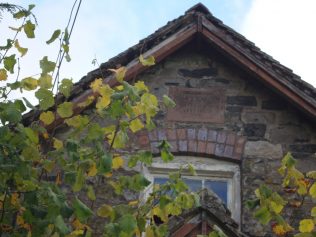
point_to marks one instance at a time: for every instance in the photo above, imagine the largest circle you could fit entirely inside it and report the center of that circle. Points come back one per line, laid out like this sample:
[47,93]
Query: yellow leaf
[306,226]
[92,170]
[279,230]
[65,109]
[47,117]
[58,179]
[119,73]
[76,233]
[15,199]
[29,83]
[149,232]
[133,203]
[117,162]
[140,85]
[312,190]
[277,208]
[21,50]
[45,81]
[58,144]
[103,102]
[77,224]
[119,88]
[108,175]
[149,61]
[87,102]
[105,90]
[96,84]
[3,74]
[105,211]
[136,125]
[20,220]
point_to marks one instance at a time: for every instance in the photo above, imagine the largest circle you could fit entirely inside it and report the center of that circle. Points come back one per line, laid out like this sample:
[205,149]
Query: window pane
[218,187]
[193,184]
[160,180]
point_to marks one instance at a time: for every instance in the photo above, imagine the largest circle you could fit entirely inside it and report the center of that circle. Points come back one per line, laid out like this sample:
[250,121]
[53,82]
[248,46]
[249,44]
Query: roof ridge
[199,7]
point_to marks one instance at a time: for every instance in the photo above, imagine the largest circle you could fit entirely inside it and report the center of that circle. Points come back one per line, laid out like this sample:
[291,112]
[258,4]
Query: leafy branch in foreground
[297,187]
[45,181]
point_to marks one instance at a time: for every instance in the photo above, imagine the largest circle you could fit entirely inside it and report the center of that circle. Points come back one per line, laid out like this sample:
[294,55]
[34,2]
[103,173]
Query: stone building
[238,110]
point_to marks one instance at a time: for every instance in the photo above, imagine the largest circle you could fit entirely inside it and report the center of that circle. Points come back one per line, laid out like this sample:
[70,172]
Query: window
[220,187]
[222,177]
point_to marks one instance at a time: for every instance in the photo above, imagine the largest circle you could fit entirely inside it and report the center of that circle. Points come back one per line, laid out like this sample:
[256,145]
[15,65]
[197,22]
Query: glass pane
[218,187]
[160,180]
[193,184]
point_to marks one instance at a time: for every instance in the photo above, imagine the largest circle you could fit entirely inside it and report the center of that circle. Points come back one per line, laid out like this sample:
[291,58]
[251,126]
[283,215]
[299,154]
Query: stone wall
[268,125]
[254,126]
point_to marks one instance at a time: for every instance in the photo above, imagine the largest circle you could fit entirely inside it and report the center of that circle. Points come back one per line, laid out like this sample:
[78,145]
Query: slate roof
[303,92]
[212,211]
[249,48]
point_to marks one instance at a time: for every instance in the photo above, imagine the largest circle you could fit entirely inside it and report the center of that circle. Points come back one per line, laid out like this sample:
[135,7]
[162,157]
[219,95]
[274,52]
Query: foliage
[43,178]
[297,187]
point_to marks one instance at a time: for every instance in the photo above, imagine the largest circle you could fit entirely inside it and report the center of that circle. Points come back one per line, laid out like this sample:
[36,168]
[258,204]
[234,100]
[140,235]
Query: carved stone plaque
[197,105]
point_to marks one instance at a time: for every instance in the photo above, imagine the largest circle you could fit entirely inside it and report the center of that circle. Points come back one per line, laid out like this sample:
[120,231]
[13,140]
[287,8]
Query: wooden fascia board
[213,34]
[160,52]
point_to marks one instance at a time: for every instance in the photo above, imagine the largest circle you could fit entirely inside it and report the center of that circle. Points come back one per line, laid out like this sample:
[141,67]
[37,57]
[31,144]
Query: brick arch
[201,141]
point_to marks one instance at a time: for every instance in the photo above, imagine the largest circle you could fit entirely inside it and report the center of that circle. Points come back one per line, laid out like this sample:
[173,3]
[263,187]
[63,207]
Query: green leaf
[91,193]
[105,211]
[79,181]
[19,14]
[47,117]
[288,160]
[168,102]
[31,153]
[31,134]
[45,97]
[191,169]
[53,37]
[29,83]
[46,65]
[65,87]
[11,113]
[306,226]
[78,121]
[128,223]
[65,109]
[8,46]
[3,74]
[14,85]
[29,28]
[21,50]
[146,157]
[45,81]
[60,224]
[20,105]
[9,63]
[263,215]
[105,163]
[149,61]
[81,211]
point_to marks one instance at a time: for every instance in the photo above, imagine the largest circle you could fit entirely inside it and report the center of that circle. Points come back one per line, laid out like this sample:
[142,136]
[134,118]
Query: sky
[282,28]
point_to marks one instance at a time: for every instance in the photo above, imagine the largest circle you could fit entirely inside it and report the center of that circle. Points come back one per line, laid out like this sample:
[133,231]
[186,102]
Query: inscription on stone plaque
[197,105]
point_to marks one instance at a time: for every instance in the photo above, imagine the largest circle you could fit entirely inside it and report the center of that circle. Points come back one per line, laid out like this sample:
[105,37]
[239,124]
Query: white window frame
[207,169]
